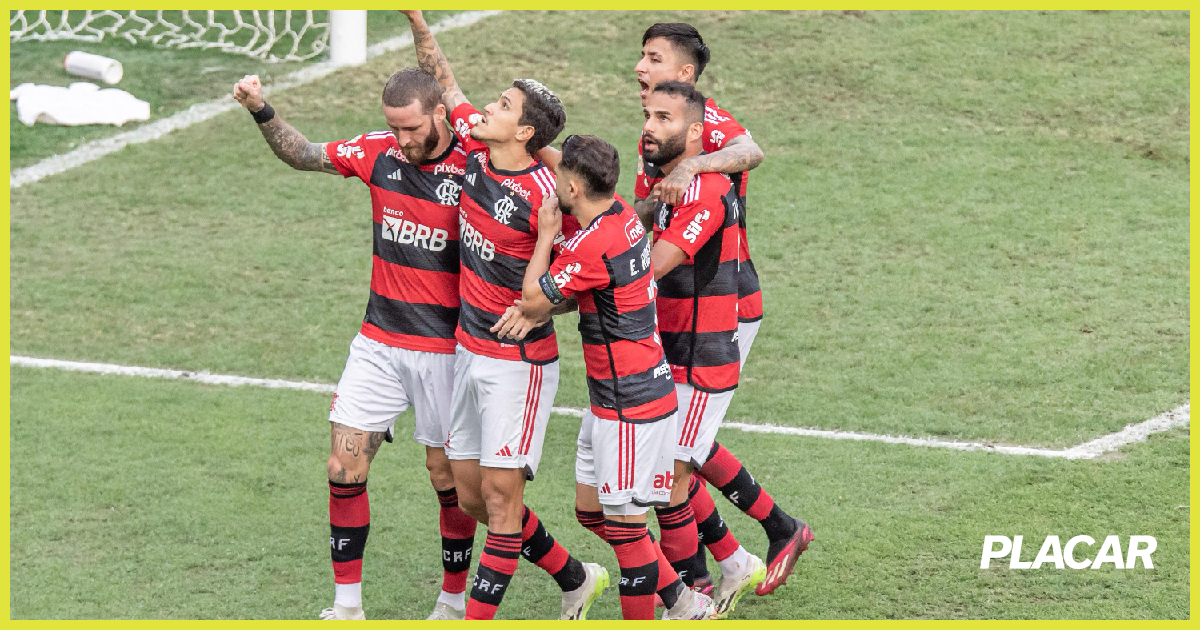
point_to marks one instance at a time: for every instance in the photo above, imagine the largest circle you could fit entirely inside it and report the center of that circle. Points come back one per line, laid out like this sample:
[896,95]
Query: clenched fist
[248,92]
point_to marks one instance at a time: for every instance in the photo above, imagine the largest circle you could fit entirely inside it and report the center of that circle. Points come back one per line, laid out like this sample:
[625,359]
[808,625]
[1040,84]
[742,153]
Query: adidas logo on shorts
[504,452]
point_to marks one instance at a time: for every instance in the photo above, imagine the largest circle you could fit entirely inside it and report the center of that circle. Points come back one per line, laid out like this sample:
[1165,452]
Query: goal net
[271,36]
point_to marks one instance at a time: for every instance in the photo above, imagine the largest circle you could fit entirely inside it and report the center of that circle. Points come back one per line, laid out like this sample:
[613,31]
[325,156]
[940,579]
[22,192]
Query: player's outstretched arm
[739,154]
[285,141]
[431,59]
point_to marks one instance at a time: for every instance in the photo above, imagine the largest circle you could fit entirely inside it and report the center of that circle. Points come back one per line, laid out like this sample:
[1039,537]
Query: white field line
[200,112]
[1132,433]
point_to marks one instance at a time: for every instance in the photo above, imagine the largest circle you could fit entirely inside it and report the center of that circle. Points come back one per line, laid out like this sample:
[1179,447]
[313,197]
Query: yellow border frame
[628,5]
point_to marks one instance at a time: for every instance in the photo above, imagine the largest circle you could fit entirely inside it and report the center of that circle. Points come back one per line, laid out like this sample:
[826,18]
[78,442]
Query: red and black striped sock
[593,521]
[540,548]
[724,471]
[497,563]
[349,523]
[679,540]
[639,568]
[710,527]
[458,538]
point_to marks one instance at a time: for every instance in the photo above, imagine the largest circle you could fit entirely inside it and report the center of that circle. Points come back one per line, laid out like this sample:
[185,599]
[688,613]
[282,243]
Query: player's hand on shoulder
[248,92]
[672,188]
[550,216]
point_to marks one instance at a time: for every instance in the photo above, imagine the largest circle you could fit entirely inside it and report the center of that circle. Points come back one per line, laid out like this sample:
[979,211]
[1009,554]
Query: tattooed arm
[288,144]
[431,59]
[739,154]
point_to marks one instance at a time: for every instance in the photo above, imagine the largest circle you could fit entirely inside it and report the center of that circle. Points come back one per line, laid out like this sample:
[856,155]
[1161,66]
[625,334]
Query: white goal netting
[271,36]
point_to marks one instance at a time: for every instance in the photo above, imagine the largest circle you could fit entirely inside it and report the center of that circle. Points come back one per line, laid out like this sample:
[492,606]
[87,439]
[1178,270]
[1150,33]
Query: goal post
[347,37]
[272,36]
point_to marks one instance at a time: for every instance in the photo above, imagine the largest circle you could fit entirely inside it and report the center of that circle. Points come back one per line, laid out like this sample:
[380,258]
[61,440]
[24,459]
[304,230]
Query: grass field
[968,226]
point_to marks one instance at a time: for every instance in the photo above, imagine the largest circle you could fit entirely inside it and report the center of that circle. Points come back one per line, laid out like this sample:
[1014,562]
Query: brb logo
[405,232]
[1052,552]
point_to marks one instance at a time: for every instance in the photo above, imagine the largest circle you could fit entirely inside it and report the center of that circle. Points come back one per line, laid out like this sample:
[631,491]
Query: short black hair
[543,111]
[595,161]
[685,38]
[693,100]
[411,84]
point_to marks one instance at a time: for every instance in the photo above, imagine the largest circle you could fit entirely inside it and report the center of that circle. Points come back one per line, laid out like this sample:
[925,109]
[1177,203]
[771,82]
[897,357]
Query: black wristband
[263,115]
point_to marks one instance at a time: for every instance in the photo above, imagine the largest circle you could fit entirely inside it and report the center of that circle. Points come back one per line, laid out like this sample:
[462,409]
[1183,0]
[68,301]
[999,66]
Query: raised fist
[248,92]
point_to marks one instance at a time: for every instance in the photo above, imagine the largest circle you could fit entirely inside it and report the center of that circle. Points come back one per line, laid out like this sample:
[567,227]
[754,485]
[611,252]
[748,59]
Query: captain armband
[551,289]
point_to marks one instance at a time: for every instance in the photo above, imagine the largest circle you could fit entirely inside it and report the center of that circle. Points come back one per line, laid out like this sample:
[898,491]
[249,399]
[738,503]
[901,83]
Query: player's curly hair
[542,111]
[595,161]
[412,84]
[685,38]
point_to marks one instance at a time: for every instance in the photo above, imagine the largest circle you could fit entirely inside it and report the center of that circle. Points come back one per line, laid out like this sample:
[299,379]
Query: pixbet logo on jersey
[1054,553]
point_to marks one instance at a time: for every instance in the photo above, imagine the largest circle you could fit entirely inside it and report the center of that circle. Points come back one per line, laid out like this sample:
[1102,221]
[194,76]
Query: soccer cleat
[785,560]
[342,612]
[702,585]
[576,603]
[445,612]
[692,606]
[732,587]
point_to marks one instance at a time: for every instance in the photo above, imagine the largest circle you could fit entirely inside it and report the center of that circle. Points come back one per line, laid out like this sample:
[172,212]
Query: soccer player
[403,356]
[626,440]
[503,391]
[696,253]
[676,52]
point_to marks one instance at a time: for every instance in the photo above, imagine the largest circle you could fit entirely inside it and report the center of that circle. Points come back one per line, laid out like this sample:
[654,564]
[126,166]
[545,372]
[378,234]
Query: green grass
[179,500]
[968,225]
[169,79]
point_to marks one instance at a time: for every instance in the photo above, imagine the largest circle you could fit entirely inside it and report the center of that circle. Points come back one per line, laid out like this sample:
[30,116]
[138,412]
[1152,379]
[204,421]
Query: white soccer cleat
[341,612]
[576,603]
[692,606]
[732,587]
[445,612]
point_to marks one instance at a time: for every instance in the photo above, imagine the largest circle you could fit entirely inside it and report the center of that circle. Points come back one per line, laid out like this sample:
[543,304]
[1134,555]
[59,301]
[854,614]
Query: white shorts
[747,331]
[499,410]
[381,382]
[630,465]
[700,415]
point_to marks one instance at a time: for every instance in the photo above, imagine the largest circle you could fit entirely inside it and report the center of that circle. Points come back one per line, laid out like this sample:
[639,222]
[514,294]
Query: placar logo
[1054,553]
[504,209]
[447,192]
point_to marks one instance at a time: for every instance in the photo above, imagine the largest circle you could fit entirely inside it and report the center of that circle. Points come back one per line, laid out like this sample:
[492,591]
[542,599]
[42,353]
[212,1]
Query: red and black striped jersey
[606,266]
[414,273]
[719,128]
[498,223]
[698,299]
